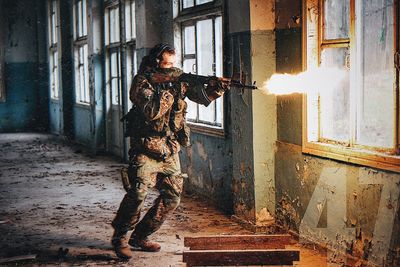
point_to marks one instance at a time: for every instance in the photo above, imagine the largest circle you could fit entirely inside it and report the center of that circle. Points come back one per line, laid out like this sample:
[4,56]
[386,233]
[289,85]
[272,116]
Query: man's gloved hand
[219,84]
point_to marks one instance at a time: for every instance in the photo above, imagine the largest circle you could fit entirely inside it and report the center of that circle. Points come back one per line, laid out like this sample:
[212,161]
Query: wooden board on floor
[237,242]
[240,257]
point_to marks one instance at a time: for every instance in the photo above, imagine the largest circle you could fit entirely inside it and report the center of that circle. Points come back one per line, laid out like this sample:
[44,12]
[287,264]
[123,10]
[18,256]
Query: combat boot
[144,244]
[121,247]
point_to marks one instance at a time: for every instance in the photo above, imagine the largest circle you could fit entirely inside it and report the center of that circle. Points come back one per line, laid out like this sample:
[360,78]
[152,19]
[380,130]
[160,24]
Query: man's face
[168,61]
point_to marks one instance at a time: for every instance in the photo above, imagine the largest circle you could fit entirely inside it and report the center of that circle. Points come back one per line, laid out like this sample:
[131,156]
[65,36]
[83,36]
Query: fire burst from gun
[310,81]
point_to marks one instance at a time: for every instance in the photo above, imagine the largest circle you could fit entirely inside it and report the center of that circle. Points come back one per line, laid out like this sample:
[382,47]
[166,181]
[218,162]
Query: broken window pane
[335,102]
[336,19]
[375,122]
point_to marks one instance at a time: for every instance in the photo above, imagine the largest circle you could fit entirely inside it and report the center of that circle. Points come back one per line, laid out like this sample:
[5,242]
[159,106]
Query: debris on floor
[57,204]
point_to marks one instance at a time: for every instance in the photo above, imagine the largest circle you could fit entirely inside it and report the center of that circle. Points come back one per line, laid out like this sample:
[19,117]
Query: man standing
[157,127]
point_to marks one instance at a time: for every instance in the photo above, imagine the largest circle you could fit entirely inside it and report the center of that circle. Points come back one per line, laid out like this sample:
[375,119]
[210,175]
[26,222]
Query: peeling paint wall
[26,104]
[262,15]
[346,207]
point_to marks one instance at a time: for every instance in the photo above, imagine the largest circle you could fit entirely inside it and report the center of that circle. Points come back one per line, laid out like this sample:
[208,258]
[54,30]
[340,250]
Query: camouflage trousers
[145,172]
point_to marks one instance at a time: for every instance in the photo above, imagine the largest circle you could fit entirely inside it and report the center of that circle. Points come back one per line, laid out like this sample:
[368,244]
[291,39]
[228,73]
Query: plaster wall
[262,14]
[25,106]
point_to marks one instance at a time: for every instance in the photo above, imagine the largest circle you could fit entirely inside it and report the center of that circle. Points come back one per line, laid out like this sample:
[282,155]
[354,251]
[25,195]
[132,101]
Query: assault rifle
[223,82]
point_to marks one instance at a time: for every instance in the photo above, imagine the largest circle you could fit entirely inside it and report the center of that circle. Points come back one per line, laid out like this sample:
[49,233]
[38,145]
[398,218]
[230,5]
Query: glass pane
[191,110]
[220,111]
[189,65]
[114,73]
[207,114]
[376,105]
[107,27]
[114,65]
[199,2]
[54,23]
[218,46]
[114,25]
[133,22]
[86,73]
[336,21]
[55,74]
[205,58]
[128,19]
[78,18]
[84,15]
[187,3]
[335,102]
[189,44]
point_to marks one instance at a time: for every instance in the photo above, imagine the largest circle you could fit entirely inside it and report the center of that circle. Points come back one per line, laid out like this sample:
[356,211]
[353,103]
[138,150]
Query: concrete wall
[343,206]
[24,32]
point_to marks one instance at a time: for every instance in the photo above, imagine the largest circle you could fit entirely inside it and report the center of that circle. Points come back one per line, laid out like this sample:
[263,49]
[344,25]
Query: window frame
[112,47]
[189,17]
[54,66]
[82,95]
[380,158]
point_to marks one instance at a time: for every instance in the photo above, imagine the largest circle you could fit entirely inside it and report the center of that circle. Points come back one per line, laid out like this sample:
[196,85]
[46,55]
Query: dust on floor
[57,202]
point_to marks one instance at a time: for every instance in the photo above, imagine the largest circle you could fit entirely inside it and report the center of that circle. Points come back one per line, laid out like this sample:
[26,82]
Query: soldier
[157,128]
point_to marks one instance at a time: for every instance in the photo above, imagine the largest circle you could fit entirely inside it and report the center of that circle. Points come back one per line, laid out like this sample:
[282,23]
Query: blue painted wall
[26,104]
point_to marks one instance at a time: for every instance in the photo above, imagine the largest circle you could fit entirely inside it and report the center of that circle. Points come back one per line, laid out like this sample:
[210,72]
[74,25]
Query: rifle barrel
[239,84]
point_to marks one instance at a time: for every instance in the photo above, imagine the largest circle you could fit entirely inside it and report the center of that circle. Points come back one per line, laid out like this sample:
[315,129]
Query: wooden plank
[240,257]
[237,242]
[18,258]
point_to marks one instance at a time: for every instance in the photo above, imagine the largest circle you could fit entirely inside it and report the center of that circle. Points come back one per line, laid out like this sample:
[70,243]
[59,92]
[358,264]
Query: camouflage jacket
[156,121]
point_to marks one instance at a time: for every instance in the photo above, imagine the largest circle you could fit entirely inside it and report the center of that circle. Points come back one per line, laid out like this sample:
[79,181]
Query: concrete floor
[57,202]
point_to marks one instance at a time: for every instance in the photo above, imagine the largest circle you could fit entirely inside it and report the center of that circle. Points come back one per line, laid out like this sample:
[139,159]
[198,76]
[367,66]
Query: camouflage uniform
[157,127]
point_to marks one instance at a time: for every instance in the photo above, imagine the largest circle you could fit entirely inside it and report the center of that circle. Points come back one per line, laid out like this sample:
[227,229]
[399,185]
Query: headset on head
[157,51]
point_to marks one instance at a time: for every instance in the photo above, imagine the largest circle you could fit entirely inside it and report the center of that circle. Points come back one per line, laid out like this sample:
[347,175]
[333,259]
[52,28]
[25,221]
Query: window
[202,54]
[53,48]
[357,121]
[113,74]
[81,53]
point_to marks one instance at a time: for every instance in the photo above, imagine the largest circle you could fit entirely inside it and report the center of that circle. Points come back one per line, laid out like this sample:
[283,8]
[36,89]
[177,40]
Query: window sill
[82,105]
[206,129]
[362,157]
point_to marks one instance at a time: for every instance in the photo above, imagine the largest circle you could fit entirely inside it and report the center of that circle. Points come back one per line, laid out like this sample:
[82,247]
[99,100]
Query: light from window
[53,49]
[130,25]
[375,72]
[54,75]
[202,46]
[82,74]
[115,78]
[191,3]
[359,116]
[336,19]
[114,25]
[81,19]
